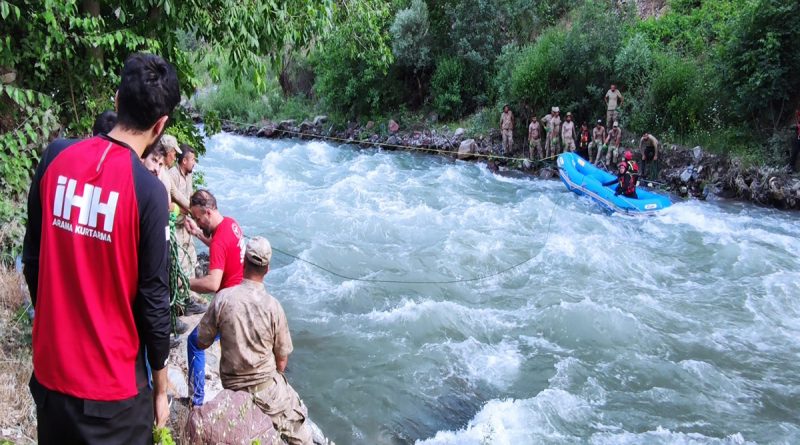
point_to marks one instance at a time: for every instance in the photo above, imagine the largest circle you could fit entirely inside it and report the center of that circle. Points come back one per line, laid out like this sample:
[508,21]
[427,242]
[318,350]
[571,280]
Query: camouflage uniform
[253,330]
[181,192]
[613,139]
[568,135]
[613,98]
[552,123]
[507,129]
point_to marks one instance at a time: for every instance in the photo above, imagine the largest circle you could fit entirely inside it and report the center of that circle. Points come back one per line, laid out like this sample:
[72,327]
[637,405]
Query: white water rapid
[682,328]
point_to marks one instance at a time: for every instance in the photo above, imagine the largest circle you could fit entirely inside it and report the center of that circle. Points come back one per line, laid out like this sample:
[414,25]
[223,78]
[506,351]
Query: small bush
[446,87]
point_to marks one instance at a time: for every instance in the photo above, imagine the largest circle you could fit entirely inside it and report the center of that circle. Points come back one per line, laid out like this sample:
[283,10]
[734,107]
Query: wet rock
[697,152]
[370,125]
[287,124]
[459,133]
[394,127]
[266,132]
[546,173]
[176,382]
[393,140]
[467,148]
[306,127]
[231,418]
[319,120]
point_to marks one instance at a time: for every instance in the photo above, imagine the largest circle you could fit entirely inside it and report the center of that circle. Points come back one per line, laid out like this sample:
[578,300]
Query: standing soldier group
[603,143]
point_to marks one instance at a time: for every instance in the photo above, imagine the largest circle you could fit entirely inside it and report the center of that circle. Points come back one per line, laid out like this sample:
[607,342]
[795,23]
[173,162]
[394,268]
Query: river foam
[676,329]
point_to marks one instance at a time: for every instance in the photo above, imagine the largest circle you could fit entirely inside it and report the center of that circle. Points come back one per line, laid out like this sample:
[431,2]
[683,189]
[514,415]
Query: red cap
[628,155]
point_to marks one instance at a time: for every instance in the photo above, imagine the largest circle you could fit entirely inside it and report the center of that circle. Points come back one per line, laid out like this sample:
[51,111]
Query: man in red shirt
[225,269]
[96,258]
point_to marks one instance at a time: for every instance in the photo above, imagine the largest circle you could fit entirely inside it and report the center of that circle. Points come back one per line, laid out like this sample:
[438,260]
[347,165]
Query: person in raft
[627,176]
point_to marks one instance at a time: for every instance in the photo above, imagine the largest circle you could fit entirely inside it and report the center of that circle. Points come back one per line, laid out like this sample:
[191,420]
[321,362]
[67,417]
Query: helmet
[628,155]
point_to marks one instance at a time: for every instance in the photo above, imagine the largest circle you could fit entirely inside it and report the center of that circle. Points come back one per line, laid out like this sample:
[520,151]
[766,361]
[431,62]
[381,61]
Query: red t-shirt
[96,257]
[227,252]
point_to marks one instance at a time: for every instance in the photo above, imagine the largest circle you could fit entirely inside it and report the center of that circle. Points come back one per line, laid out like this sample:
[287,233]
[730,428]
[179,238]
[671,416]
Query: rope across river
[449,281]
[398,146]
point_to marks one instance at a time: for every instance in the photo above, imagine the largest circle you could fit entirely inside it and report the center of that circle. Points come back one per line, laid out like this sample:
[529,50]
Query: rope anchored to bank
[397,146]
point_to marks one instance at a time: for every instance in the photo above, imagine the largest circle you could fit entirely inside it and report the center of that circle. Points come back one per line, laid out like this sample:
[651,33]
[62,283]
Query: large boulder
[232,419]
[394,127]
[459,132]
[467,149]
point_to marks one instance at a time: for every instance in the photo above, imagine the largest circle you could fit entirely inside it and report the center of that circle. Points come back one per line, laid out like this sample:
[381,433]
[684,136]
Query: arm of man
[160,399]
[151,306]
[207,284]
[282,340]
[655,147]
[178,197]
[280,363]
[208,328]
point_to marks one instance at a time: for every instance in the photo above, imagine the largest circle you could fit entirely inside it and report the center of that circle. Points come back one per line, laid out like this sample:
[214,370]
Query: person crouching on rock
[255,345]
[627,176]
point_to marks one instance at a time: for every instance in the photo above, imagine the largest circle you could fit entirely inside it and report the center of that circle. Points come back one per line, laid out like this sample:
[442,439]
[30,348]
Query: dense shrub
[446,87]
[760,66]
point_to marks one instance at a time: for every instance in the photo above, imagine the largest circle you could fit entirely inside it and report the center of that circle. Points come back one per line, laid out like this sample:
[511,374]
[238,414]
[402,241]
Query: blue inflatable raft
[583,178]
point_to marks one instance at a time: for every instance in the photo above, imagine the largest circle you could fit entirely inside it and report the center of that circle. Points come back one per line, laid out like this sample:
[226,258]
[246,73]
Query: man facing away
[95,257]
[507,130]
[613,99]
[226,256]
[255,345]
[648,147]
[552,123]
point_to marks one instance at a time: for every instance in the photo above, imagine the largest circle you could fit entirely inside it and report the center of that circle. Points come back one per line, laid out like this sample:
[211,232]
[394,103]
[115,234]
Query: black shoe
[180,327]
[194,308]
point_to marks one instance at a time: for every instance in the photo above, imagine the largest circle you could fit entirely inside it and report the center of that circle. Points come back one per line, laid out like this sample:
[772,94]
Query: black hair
[157,148]
[203,198]
[185,149]
[104,122]
[148,90]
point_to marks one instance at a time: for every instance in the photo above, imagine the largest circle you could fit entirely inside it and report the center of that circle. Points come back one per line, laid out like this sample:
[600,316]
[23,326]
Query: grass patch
[17,411]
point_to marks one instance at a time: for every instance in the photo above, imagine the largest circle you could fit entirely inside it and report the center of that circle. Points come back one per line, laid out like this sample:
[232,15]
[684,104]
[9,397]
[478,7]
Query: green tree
[71,52]
[760,66]
[352,61]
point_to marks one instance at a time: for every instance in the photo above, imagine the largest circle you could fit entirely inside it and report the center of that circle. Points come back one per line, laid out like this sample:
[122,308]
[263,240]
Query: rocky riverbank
[687,172]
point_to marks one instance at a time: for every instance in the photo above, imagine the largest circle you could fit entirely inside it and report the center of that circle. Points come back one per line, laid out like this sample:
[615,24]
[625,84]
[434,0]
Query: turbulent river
[682,328]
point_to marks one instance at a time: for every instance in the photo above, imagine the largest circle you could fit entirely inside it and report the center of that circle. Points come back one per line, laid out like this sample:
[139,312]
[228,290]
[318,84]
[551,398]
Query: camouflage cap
[258,251]
[170,143]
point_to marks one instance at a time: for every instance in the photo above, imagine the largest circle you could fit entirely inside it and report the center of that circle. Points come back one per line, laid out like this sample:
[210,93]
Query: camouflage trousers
[187,255]
[288,413]
[535,144]
[611,117]
[508,142]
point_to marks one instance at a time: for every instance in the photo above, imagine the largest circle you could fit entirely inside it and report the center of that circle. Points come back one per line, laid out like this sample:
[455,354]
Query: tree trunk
[92,8]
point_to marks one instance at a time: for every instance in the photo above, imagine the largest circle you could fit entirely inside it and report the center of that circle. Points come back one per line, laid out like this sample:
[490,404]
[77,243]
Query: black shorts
[63,419]
[649,153]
